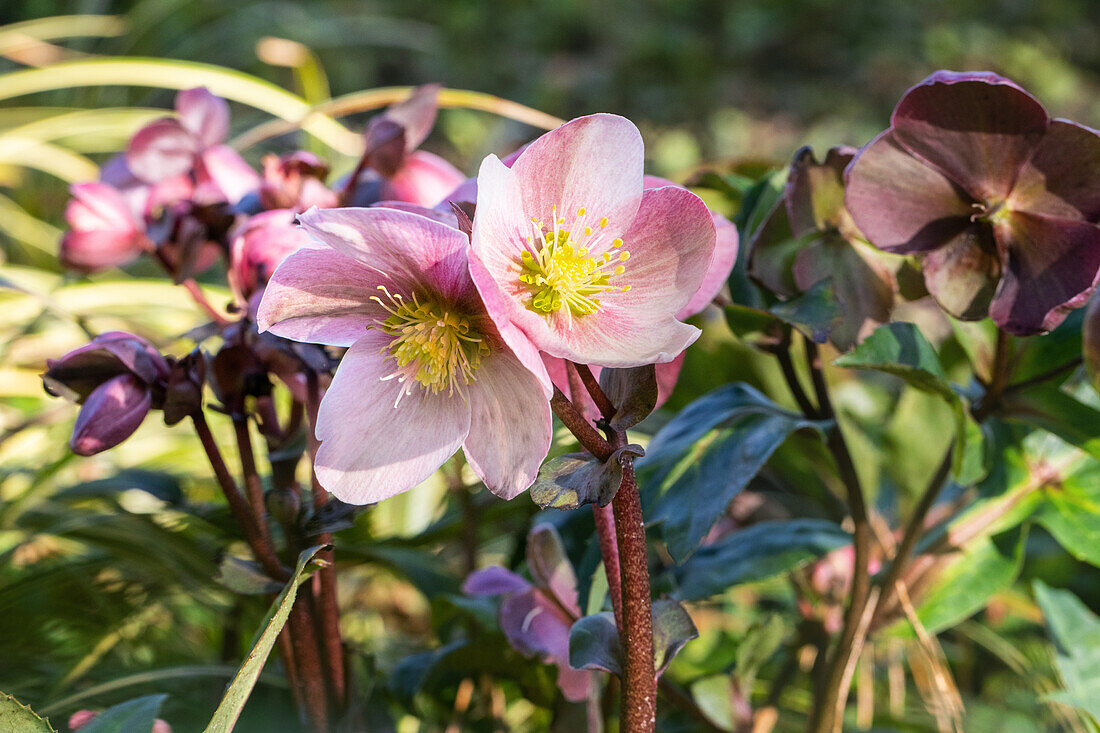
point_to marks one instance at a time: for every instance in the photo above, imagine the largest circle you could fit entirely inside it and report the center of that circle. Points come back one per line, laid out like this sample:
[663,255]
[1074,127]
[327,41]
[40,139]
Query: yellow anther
[580,211]
[624,256]
[616,243]
[603,222]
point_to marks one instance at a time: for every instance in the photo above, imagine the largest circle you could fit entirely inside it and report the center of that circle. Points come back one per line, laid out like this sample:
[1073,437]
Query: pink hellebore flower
[192,141]
[103,230]
[536,618]
[296,181]
[259,246]
[427,370]
[569,249]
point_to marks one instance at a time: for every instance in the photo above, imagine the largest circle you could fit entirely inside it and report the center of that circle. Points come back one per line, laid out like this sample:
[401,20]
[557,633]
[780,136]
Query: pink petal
[421,253]
[442,214]
[976,128]
[320,296]
[371,449]
[203,115]
[510,425]
[99,250]
[1052,267]
[224,166]
[160,150]
[592,162]
[534,624]
[416,114]
[900,203]
[423,178]
[575,684]
[99,206]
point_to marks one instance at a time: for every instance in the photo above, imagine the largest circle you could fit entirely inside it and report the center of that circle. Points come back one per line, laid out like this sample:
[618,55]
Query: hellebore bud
[117,379]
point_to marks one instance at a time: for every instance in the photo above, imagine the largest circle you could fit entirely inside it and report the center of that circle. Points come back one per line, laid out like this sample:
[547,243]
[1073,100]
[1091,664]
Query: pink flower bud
[260,246]
[296,181]
[104,232]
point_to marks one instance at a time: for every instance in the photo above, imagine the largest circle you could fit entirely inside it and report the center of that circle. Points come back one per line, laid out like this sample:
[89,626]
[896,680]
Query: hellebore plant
[570,253]
[426,368]
[1000,202]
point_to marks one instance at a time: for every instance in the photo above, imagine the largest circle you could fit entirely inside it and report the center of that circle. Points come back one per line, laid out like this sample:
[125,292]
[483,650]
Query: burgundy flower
[999,200]
[537,617]
[116,379]
[810,237]
[296,181]
[400,171]
[192,142]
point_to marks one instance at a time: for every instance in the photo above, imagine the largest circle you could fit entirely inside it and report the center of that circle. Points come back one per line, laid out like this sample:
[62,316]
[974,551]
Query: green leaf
[968,579]
[244,577]
[18,718]
[815,313]
[225,717]
[594,644]
[1076,630]
[900,349]
[706,455]
[633,391]
[755,553]
[133,716]
[1049,408]
[575,479]
[672,630]
[1071,513]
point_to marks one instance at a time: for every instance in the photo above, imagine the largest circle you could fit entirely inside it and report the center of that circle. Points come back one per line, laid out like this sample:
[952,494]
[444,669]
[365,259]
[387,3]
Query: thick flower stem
[253,485]
[638,712]
[609,551]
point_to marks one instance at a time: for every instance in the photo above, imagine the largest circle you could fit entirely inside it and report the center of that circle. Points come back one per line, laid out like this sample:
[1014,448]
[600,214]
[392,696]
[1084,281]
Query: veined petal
[161,149]
[371,448]
[204,115]
[320,296]
[421,253]
[1052,268]
[900,203]
[1061,178]
[976,128]
[423,178]
[510,425]
[962,274]
[592,162]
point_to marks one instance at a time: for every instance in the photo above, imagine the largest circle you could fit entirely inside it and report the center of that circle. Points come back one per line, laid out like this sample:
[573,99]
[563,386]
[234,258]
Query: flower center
[562,272]
[433,346]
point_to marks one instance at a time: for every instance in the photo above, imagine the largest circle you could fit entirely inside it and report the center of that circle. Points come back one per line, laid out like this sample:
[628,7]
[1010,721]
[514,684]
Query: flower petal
[510,425]
[977,128]
[493,581]
[323,297]
[161,149]
[416,114]
[900,203]
[423,178]
[1060,179]
[91,251]
[1053,266]
[815,191]
[962,274]
[535,625]
[372,449]
[204,115]
[421,253]
[592,162]
[110,415]
[224,166]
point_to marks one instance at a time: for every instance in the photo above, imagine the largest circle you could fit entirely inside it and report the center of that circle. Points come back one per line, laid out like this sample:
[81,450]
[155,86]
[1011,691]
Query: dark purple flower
[536,618]
[1000,201]
[192,142]
[116,379]
[810,237]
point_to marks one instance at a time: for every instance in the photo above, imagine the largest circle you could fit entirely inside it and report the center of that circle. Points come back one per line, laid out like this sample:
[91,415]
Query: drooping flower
[536,617]
[810,237]
[192,142]
[296,181]
[569,249]
[258,246]
[117,379]
[1000,201]
[395,169]
[103,230]
[427,370]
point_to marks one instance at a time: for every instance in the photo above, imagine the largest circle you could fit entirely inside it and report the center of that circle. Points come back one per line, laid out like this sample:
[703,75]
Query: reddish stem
[199,297]
[609,550]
